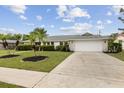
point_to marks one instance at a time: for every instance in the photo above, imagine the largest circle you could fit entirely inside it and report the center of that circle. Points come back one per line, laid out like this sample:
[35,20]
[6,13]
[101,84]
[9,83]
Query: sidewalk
[20,77]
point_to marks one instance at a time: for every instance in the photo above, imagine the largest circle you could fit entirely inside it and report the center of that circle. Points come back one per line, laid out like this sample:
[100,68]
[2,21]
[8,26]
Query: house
[86,42]
[11,44]
[121,37]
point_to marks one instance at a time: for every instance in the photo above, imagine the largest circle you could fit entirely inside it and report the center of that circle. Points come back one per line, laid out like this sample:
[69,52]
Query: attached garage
[88,45]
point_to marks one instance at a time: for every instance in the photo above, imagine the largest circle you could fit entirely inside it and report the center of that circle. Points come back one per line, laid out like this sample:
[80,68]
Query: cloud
[69,13]
[116,8]
[78,28]
[61,10]
[99,22]
[4,30]
[29,24]
[108,21]
[52,26]
[39,17]
[109,13]
[78,12]
[100,27]
[18,9]
[42,26]
[23,17]
[67,20]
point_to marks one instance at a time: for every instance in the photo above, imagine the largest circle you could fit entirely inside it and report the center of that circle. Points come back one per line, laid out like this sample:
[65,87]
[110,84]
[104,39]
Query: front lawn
[54,58]
[118,55]
[6,85]
[2,52]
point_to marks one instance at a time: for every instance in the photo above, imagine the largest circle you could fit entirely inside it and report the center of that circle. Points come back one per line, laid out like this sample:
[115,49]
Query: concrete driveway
[86,70]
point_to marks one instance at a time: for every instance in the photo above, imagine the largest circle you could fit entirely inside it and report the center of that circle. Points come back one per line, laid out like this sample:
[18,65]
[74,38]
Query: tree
[32,38]
[114,36]
[17,37]
[40,34]
[121,18]
[25,37]
[4,37]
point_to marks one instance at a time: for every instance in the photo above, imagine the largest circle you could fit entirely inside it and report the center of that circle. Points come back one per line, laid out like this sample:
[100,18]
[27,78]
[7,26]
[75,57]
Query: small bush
[47,48]
[24,47]
[62,48]
[114,47]
[29,47]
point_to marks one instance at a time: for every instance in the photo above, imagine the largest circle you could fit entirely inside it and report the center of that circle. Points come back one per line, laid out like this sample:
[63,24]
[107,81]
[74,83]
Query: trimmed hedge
[29,47]
[47,48]
[62,48]
[24,47]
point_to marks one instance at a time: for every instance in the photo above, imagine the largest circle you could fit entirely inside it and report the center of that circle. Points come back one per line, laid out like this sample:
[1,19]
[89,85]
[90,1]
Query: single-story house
[85,42]
[121,37]
[11,44]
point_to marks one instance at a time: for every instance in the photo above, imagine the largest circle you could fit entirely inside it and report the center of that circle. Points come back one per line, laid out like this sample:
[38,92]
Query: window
[38,43]
[61,43]
[52,43]
[66,43]
[48,43]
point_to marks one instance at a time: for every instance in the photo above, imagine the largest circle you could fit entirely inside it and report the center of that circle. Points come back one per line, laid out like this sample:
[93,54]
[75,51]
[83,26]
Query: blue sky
[60,20]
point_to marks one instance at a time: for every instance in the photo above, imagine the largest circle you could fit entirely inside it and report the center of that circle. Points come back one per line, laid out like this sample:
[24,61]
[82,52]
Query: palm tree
[32,38]
[121,18]
[3,38]
[41,35]
[5,43]
[17,37]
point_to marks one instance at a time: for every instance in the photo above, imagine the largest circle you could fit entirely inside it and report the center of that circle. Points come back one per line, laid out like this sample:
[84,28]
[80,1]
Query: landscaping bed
[54,58]
[9,56]
[35,58]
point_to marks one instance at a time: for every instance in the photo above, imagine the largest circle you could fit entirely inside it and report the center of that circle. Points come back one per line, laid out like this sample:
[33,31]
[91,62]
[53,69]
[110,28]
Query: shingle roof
[75,37]
[72,37]
[9,41]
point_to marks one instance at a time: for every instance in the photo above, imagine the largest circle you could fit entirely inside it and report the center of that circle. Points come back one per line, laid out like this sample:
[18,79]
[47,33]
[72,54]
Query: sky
[60,19]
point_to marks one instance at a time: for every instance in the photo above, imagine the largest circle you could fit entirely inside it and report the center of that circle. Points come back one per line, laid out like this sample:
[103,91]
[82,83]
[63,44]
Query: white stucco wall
[71,45]
[88,45]
[121,38]
[56,44]
[123,45]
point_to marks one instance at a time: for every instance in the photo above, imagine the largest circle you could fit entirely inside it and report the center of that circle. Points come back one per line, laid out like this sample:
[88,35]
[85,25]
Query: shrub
[29,47]
[115,47]
[62,48]
[24,47]
[47,48]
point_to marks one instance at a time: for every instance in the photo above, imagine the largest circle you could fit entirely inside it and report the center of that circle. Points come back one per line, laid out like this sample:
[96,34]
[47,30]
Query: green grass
[3,52]
[54,59]
[118,55]
[6,85]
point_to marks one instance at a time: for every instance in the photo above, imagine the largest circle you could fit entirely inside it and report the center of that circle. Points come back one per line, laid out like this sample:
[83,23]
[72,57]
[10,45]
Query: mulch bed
[9,56]
[35,58]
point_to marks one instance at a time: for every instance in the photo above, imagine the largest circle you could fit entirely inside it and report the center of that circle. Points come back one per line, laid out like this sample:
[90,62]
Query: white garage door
[88,45]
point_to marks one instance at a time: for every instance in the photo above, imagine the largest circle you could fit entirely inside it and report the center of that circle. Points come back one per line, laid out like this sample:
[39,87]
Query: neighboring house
[85,42]
[11,44]
[121,37]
